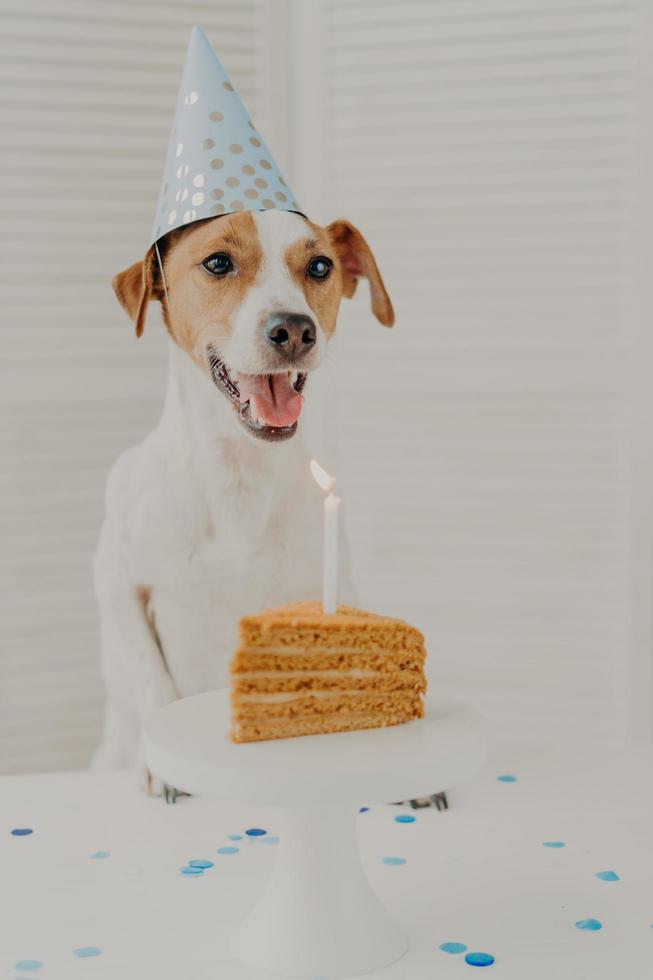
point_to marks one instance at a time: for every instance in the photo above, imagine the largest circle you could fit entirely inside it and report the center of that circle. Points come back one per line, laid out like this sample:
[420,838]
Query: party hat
[217,162]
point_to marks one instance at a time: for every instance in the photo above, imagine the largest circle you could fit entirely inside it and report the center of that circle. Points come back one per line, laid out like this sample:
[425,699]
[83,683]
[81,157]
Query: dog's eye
[319,267]
[219,264]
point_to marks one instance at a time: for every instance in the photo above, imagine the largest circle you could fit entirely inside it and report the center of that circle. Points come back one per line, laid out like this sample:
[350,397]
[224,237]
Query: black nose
[291,333]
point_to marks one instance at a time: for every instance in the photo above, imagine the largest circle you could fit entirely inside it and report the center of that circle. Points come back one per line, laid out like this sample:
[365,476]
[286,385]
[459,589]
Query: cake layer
[247,659]
[258,730]
[272,681]
[304,624]
[264,707]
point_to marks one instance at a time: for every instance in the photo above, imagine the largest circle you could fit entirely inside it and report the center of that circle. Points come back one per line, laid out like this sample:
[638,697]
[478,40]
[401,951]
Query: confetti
[607,876]
[28,965]
[479,959]
[393,861]
[255,832]
[22,831]
[196,863]
[507,778]
[553,843]
[228,850]
[85,951]
[453,947]
[101,855]
[405,818]
[589,925]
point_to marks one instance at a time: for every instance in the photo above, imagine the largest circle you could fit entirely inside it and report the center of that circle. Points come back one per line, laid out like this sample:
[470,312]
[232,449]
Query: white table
[477,874]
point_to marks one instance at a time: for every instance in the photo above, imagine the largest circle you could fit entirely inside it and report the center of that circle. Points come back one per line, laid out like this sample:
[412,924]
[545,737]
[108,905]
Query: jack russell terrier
[213,515]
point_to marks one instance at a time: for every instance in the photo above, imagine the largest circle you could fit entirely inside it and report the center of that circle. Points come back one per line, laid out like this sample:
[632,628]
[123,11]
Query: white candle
[330,546]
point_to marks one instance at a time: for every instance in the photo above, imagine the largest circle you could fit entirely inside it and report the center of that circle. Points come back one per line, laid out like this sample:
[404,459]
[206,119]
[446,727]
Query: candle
[330,546]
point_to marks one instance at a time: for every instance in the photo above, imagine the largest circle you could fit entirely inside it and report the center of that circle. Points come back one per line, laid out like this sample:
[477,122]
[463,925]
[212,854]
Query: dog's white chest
[226,556]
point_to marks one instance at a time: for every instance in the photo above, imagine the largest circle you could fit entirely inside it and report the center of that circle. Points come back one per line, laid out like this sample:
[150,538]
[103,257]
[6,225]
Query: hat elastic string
[163,277]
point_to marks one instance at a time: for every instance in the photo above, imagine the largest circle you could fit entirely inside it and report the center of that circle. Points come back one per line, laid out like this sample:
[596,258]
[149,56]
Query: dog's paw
[154,786]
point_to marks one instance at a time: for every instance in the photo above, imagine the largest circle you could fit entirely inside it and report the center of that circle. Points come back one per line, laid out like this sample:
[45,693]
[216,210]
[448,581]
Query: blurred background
[493,449]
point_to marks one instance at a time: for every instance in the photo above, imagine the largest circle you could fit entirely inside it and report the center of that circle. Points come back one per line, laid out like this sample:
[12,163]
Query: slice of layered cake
[297,671]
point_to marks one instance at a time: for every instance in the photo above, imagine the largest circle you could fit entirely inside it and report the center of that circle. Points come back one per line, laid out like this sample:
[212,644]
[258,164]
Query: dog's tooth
[253,410]
[293,377]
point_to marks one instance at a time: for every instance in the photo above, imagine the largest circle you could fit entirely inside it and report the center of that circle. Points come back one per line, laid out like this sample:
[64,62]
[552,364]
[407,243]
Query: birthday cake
[297,671]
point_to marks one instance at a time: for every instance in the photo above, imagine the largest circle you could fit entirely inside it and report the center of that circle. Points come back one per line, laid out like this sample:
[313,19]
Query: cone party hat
[217,162]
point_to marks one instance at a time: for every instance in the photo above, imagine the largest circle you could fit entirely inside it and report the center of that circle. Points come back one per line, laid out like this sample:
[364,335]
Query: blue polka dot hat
[217,161]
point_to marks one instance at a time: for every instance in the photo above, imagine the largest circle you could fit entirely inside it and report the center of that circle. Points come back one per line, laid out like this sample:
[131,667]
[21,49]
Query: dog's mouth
[268,405]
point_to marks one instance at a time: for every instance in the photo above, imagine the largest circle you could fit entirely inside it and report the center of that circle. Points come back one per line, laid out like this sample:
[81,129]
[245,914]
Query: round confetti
[207,144]
[507,778]
[607,876]
[250,192]
[200,864]
[101,855]
[248,169]
[228,850]
[216,117]
[228,86]
[453,947]
[260,182]
[217,163]
[232,181]
[84,951]
[234,836]
[254,141]
[236,205]
[394,861]
[405,818]
[270,840]
[235,148]
[479,959]
[187,870]
[364,809]
[266,164]
[255,832]
[218,209]
[22,831]
[28,966]
[553,843]
[217,193]
[589,925]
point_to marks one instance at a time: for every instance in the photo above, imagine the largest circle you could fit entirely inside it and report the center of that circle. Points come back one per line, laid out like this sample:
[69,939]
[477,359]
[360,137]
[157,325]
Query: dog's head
[252,298]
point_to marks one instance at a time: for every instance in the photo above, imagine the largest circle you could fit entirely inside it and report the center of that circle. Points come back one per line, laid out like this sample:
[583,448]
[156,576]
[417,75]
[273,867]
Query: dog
[214,514]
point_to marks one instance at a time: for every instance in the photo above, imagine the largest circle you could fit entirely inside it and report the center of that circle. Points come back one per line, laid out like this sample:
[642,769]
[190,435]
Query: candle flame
[321,477]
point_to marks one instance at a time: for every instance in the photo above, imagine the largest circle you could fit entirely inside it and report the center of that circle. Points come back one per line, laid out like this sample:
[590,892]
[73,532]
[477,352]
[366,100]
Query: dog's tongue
[277,402]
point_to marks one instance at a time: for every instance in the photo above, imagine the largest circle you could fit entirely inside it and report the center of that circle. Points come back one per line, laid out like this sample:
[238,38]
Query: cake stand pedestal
[318,914]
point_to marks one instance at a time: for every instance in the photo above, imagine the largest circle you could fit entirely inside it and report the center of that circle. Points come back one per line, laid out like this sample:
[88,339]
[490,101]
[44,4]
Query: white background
[493,449]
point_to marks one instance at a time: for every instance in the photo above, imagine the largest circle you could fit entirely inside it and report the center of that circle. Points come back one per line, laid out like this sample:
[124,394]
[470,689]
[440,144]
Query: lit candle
[330,548]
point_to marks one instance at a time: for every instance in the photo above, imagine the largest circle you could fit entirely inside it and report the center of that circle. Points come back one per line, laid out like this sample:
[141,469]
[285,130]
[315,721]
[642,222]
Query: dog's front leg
[136,676]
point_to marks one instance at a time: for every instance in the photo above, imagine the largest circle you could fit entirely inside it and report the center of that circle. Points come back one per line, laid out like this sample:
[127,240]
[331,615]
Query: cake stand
[318,914]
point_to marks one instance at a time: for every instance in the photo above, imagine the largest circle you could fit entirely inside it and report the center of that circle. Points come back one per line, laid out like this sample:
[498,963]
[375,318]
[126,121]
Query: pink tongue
[277,402]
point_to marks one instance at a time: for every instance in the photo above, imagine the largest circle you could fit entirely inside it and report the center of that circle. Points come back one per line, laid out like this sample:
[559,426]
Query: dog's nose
[291,333]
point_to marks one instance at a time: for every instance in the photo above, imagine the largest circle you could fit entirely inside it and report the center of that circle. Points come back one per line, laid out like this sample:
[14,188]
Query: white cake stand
[318,914]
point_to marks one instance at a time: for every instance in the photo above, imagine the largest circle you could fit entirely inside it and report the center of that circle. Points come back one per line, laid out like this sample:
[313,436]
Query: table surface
[478,874]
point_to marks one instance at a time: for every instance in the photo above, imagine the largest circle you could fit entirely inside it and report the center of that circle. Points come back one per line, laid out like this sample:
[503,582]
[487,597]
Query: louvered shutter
[88,95]
[486,151]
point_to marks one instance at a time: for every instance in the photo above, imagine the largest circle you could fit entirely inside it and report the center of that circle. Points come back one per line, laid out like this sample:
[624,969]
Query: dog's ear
[135,287]
[356,260]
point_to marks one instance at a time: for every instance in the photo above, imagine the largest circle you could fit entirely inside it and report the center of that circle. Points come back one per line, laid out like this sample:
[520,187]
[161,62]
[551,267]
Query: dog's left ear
[356,260]
[135,287]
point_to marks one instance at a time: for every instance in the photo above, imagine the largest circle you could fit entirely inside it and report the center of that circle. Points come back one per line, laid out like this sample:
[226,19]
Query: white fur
[211,522]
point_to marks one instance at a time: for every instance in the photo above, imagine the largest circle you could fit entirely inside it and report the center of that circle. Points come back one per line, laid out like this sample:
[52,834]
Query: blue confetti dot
[453,947]
[607,876]
[589,925]
[200,864]
[405,818]
[393,861]
[479,959]
[507,778]
[22,831]
[187,870]
[28,965]
[85,951]
[101,855]
[255,832]
[234,837]
[228,850]
[364,809]
[270,840]
[553,843]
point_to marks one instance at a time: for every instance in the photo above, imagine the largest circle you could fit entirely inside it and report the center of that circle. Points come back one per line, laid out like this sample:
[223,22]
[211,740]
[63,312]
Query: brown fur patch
[323,296]
[201,305]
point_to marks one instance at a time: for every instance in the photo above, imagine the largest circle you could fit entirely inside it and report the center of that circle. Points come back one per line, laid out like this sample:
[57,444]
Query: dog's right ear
[135,287]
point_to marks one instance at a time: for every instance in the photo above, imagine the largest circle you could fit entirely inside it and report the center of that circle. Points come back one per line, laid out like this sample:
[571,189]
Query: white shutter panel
[88,96]
[485,149]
